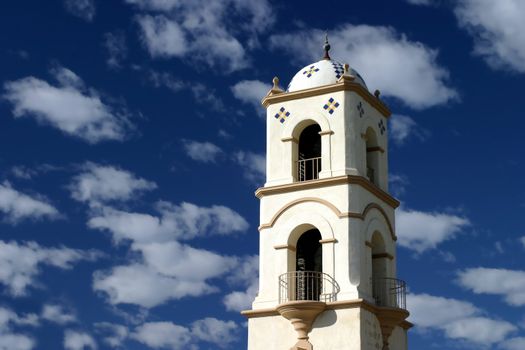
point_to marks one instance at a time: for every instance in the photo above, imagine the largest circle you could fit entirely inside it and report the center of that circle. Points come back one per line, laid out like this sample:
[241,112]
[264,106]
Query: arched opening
[379,268]
[372,156]
[309,266]
[309,255]
[309,158]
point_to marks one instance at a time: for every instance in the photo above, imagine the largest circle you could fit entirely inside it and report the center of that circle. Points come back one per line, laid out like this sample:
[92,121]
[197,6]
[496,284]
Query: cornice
[334,305]
[343,85]
[331,181]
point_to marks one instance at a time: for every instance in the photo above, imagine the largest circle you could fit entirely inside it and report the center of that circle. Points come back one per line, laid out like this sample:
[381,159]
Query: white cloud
[498,30]
[203,94]
[421,231]
[57,314]
[113,334]
[21,263]
[9,318]
[84,9]
[9,339]
[397,184]
[253,164]
[514,344]
[167,335]
[23,172]
[402,127]
[163,335]
[241,300]
[162,37]
[115,44]
[17,206]
[246,275]
[205,152]
[252,92]
[457,319]
[183,221]
[400,68]
[16,341]
[510,284]
[184,262]
[166,269]
[98,184]
[421,2]
[522,240]
[167,80]
[70,107]
[140,285]
[212,330]
[170,271]
[74,340]
[203,31]
[27,173]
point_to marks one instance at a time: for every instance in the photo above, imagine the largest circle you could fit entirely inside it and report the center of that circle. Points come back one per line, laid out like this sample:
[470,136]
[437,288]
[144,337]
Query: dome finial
[326,47]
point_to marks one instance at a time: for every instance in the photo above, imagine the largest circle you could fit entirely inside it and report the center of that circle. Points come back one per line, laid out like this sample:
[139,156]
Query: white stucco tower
[327,233]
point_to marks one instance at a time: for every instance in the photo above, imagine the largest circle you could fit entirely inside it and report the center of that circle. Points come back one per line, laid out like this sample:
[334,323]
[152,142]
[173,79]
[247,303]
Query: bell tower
[327,235]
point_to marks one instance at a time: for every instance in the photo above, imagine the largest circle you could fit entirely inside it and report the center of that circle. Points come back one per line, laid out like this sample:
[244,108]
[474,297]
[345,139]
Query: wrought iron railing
[308,169]
[307,285]
[389,292]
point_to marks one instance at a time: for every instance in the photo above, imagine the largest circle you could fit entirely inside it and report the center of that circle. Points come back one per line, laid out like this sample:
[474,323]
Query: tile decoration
[382,127]
[360,109]
[331,105]
[338,69]
[310,71]
[282,115]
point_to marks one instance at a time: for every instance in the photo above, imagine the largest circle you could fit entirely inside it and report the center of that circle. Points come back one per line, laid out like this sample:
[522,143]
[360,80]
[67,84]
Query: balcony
[389,292]
[307,286]
[308,169]
[302,297]
[390,298]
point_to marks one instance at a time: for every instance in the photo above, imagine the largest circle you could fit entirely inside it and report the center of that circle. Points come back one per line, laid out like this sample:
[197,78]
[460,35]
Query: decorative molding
[336,211]
[298,201]
[328,240]
[375,149]
[383,255]
[290,139]
[284,246]
[344,85]
[406,325]
[260,313]
[335,305]
[368,244]
[331,181]
[383,213]
[326,132]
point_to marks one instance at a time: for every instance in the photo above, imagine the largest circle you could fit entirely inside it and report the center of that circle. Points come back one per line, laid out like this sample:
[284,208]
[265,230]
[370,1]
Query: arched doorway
[309,159]
[309,266]
[379,269]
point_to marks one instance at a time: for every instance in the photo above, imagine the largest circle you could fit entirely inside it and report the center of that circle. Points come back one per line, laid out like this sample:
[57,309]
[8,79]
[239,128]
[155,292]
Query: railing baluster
[308,169]
[389,292]
[307,285]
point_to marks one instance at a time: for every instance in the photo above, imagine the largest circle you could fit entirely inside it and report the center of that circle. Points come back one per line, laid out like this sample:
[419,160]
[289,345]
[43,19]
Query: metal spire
[326,47]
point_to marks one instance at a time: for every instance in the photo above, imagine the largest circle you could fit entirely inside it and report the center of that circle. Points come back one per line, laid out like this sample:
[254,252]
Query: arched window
[372,156]
[309,266]
[309,157]
[379,268]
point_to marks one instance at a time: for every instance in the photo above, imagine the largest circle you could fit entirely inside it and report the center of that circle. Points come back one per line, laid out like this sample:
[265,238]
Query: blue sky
[132,140]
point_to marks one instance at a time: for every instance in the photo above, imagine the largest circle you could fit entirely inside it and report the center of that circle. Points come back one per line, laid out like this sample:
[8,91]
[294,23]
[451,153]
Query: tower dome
[323,72]
[320,73]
